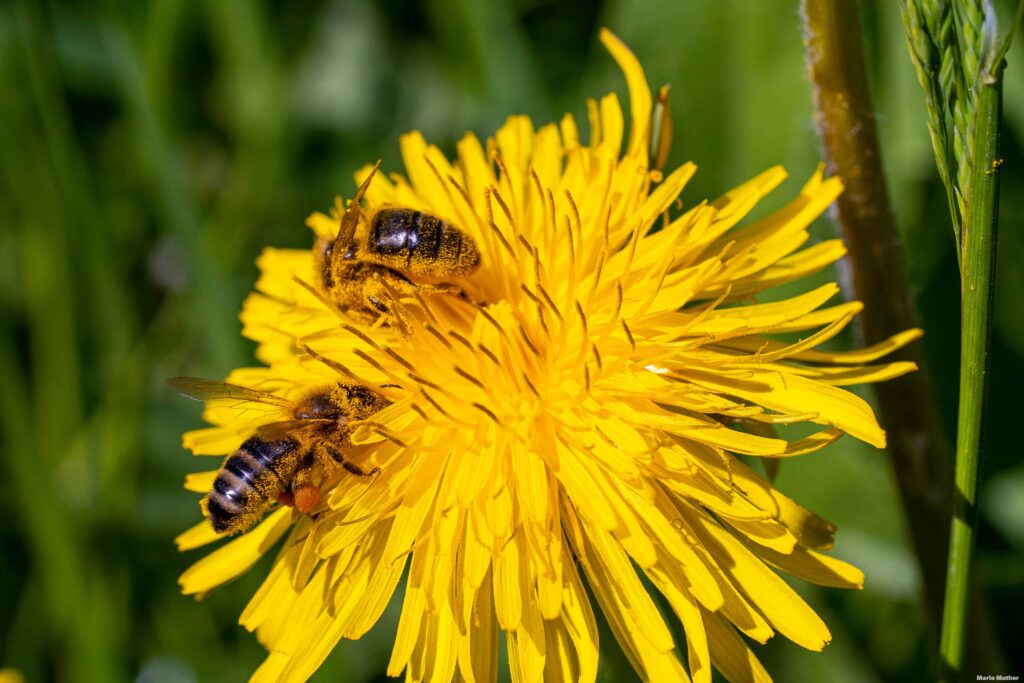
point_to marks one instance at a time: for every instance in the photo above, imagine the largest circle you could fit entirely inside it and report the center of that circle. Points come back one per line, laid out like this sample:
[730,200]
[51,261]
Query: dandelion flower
[571,420]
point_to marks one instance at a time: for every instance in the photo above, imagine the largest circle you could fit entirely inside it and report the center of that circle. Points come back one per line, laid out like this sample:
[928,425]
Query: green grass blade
[933,54]
[978,276]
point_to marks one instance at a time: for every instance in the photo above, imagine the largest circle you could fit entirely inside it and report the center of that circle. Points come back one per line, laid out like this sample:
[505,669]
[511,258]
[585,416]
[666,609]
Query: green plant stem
[978,277]
[907,406]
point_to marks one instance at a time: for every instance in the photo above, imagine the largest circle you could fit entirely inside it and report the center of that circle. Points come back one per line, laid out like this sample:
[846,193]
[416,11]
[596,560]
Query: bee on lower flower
[279,460]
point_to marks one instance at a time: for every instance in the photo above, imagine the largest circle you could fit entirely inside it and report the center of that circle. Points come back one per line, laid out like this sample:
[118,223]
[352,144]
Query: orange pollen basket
[306,498]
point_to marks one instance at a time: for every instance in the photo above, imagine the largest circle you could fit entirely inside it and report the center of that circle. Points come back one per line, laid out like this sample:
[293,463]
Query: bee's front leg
[382,297]
[339,458]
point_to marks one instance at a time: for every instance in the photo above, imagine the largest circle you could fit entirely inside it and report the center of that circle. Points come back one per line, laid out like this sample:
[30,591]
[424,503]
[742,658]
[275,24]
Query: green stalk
[918,448]
[978,277]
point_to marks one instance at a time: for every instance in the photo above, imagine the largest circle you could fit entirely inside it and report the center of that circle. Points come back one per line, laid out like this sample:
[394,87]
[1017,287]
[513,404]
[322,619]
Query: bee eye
[379,305]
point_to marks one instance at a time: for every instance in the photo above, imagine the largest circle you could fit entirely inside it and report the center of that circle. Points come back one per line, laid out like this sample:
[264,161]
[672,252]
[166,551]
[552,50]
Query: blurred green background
[148,151]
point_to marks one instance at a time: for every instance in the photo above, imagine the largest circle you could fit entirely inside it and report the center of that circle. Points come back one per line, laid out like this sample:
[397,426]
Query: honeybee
[278,461]
[361,276]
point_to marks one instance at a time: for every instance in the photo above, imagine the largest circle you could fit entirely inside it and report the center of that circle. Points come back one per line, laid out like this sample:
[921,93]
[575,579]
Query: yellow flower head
[564,415]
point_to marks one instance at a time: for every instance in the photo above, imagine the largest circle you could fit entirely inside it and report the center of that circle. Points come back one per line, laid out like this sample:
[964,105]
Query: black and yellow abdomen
[418,243]
[250,479]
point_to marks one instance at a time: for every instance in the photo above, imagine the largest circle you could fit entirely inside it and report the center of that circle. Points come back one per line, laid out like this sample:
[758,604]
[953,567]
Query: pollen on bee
[306,497]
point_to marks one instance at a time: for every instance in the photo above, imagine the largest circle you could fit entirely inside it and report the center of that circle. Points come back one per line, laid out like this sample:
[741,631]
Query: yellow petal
[375,597]
[200,482]
[560,663]
[235,558]
[689,613]
[812,530]
[509,575]
[270,670]
[731,655]
[199,535]
[478,639]
[527,645]
[844,376]
[578,619]
[273,594]
[611,567]
[212,440]
[814,567]
[769,314]
[780,604]
[639,93]
[788,393]
[413,607]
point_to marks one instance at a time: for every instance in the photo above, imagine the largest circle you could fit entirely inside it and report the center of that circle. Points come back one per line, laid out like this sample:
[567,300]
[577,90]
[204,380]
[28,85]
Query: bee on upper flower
[360,277]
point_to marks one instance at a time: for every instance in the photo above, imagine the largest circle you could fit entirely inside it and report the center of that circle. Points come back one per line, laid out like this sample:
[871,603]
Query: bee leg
[304,493]
[442,288]
[383,298]
[349,467]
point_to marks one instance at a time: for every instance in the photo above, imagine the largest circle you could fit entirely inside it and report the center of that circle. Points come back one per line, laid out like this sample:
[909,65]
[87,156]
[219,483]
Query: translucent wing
[232,404]
[208,390]
[276,431]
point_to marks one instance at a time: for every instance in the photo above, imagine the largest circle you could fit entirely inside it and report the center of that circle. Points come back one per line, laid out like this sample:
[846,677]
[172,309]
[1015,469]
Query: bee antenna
[350,219]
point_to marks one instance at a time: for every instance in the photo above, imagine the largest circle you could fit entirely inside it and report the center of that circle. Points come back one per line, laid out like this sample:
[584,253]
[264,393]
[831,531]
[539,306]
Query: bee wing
[208,390]
[226,403]
[276,431]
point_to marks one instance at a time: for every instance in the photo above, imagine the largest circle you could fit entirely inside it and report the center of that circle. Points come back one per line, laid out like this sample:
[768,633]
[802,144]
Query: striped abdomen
[418,243]
[247,482]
